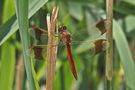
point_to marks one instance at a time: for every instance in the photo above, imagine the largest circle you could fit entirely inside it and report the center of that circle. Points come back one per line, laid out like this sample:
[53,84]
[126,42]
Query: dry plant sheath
[52,50]
[109,36]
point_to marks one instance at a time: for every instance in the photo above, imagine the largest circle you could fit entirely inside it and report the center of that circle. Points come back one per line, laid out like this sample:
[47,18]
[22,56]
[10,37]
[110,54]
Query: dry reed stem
[52,50]
[19,73]
[109,36]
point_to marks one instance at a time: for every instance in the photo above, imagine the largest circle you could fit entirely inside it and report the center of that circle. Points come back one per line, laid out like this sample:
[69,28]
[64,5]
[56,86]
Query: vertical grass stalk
[109,52]
[22,17]
[19,74]
[109,36]
[52,49]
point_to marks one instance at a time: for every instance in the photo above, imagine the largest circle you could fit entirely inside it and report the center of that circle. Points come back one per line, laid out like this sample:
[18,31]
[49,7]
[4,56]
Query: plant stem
[19,73]
[109,36]
[108,85]
[52,50]
[109,52]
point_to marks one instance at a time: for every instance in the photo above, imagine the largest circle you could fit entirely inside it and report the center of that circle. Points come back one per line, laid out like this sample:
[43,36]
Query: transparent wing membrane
[39,51]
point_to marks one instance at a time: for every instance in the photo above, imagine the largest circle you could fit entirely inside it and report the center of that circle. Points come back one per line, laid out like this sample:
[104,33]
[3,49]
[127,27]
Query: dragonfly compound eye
[64,27]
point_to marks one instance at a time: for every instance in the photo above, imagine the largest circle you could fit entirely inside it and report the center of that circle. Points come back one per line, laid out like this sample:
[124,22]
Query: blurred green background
[79,16]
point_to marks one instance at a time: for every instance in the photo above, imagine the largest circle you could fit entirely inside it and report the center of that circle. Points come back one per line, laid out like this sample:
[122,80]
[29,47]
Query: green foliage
[7,66]
[11,26]
[125,55]
[22,18]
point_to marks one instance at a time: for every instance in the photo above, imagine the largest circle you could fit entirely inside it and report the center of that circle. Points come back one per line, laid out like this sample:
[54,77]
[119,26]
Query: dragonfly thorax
[66,37]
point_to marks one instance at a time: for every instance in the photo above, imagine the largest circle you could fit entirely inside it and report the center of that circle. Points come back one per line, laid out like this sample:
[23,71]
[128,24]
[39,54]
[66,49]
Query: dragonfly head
[61,29]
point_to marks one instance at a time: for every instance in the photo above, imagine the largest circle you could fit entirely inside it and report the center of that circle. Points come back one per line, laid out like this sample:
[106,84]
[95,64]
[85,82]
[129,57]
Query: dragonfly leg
[41,30]
[56,35]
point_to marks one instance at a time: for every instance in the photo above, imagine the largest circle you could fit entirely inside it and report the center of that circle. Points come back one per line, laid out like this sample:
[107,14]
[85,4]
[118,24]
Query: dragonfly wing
[101,26]
[37,52]
[71,62]
[38,33]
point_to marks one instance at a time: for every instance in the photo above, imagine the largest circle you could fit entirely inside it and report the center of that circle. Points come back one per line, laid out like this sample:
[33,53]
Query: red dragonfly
[66,38]
[100,45]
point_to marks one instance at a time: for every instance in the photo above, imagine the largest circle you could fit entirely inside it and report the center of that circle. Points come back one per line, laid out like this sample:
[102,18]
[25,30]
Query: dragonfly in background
[65,36]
